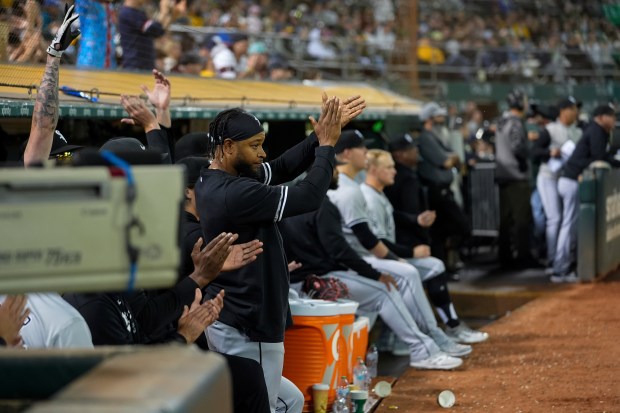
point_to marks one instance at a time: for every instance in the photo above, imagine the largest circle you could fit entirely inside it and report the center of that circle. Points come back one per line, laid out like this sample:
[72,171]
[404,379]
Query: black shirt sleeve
[105,323]
[251,201]
[291,163]
[540,148]
[398,249]
[364,235]
[152,313]
[330,235]
[158,140]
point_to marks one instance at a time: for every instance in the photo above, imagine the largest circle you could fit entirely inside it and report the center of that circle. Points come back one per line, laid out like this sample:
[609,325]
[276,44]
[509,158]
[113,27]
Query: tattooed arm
[44,115]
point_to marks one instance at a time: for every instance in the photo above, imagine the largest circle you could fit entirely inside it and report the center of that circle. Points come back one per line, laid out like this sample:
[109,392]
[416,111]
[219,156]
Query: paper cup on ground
[446,399]
[319,397]
[358,400]
[383,389]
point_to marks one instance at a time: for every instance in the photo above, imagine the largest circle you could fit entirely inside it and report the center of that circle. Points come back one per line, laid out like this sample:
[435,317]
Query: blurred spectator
[457,61]
[280,69]
[224,62]
[253,22]
[318,48]
[26,38]
[256,65]
[138,31]
[190,64]
[427,53]
[239,46]
[98,26]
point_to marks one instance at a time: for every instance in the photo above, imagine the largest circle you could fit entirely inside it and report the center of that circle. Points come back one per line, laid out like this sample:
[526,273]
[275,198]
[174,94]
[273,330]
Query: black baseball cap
[118,145]
[350,138]
[567,102]
[606,109]
[193,165]
[59,145]
[192,144]
[403,142]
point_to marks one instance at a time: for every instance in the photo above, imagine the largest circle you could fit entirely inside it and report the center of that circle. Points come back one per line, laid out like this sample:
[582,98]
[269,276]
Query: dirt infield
[559,353]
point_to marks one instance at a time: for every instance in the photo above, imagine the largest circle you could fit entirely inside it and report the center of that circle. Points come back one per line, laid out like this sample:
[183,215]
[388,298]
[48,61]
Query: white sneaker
[569,278]
[549,271]
[455,349]
[439,361]
[463,334]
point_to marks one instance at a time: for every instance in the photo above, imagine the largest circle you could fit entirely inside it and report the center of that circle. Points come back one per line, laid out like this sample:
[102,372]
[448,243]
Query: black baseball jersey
[593,146]
[256,301]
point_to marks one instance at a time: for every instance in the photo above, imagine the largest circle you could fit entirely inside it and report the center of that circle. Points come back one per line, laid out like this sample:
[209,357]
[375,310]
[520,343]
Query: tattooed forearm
[45,114]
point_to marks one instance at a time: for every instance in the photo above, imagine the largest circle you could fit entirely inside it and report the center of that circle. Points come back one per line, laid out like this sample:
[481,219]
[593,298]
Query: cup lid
[446,399]
[359,395]
[320,386]
[383,389]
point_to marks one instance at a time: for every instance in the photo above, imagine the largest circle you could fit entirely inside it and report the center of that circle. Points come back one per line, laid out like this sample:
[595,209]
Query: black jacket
[256,301]
[315,240]
[109,318]
[409,200]
[191,233]
[591,147]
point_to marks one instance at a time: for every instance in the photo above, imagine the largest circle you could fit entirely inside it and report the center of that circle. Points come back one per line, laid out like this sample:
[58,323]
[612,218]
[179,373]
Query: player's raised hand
[160,95]
[67,32]
[351,109]
[328,127]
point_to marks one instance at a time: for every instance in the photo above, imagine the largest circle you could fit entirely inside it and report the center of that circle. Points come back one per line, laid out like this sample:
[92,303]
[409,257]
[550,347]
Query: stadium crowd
[543,40]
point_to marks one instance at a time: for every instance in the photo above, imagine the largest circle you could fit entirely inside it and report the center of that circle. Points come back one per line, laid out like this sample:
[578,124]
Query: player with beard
[238,193]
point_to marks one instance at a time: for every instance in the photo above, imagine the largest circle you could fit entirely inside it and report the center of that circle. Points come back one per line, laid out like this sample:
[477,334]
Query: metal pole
[413,51]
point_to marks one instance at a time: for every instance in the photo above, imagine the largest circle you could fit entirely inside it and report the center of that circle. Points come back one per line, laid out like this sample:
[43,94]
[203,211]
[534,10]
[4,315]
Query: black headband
[242,127]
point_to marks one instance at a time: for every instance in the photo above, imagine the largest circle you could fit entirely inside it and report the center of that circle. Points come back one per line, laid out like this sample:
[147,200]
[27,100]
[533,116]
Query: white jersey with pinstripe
[352,206]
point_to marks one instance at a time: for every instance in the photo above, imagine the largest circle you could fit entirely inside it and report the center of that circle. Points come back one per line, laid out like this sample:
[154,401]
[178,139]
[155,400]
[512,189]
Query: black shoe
[527,263]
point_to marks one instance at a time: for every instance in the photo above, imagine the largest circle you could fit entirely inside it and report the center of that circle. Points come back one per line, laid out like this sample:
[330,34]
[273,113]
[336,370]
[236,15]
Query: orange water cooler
[347,320]
[358,341]
[311,347]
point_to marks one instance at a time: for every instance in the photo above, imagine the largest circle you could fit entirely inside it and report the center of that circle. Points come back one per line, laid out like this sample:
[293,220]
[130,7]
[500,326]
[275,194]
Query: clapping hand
[242,254]
[160,95]
[351,108]
[139,113]
[328,127]
[13,313]
[196,318]
[208,262]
